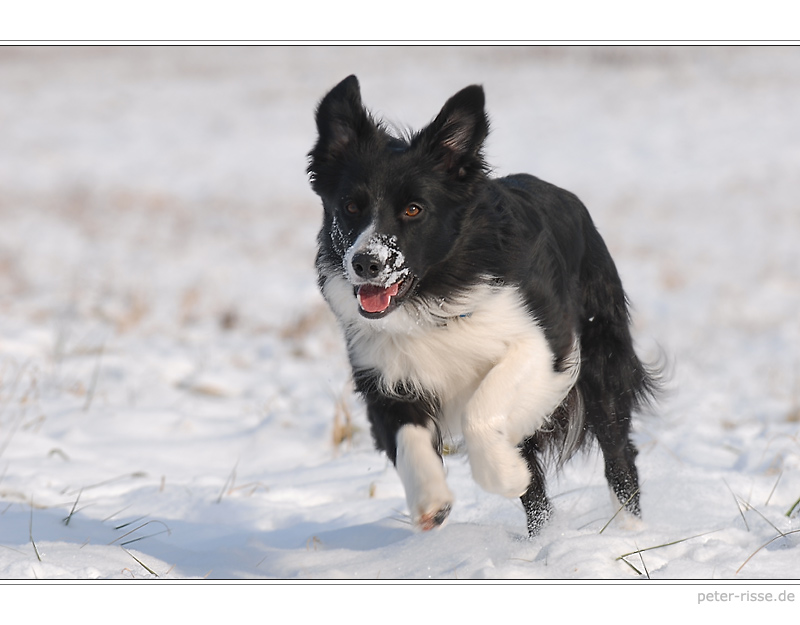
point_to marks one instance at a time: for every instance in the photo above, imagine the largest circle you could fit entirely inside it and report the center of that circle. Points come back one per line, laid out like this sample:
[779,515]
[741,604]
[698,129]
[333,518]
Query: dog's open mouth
[375,301]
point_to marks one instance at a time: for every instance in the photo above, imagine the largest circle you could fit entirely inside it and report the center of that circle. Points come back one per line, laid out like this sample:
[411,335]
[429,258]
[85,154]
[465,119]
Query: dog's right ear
[457,134]
[341,119]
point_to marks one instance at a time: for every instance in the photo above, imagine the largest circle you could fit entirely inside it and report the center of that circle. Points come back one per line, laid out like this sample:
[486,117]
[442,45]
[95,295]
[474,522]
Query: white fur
[491,371]
[512,402]
[358,246]
[422,473]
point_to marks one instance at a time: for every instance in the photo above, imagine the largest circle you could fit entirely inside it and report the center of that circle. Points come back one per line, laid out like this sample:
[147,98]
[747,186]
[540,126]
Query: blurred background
[157,238]
[145,187]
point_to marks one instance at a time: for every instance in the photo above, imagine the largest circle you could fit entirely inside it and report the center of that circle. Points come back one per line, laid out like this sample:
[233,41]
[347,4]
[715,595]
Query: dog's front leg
[405,430]
[512,402]
[422,474]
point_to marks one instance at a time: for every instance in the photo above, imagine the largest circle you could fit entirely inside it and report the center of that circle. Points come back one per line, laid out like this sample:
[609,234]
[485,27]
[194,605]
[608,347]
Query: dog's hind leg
[609,388]
[619,455]
[534,500]
[613,382]
[611,426]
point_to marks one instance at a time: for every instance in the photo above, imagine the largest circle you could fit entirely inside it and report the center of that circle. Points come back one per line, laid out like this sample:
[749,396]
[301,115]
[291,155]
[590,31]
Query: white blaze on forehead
[385,249]
[358,246]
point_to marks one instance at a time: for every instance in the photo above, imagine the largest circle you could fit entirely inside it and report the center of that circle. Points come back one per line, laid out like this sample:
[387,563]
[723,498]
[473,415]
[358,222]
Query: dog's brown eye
[413,210]
[351,208]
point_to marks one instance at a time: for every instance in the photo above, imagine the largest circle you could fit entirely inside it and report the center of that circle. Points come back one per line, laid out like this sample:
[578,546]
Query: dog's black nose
[367,266]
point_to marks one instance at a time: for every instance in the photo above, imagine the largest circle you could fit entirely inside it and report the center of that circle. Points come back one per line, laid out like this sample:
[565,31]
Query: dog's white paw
[434,517]
[422,473]
[498,467]
[429,499]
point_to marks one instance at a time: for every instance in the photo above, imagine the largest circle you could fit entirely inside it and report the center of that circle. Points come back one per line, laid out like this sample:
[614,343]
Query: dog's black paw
[538,513]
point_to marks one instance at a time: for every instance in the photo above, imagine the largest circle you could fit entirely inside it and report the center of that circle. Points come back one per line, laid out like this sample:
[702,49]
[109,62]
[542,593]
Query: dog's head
[393,206]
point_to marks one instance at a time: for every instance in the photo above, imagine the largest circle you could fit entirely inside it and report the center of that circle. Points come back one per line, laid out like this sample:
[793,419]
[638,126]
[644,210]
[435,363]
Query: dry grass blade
[620,509]
[641,559]
[669,544]
[766,544]
[343,427]
[136,520]
[638,572]
[780,475]
[135,474]
[68,518]
[794,505]
[644,566]
[342,424]
[738,506]
[136,529]
[758,512]
[136,540]
[142,564]
[251,487]
[12,549]
[30,534]
[313,542]
[108,518]
[228,486]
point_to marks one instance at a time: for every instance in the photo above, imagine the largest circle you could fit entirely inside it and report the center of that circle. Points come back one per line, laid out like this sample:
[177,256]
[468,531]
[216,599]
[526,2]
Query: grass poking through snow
[30,534]
[791,510]
[343,427]
[68,518]
[142,564]
[638,552]
[766,544]
[620,509]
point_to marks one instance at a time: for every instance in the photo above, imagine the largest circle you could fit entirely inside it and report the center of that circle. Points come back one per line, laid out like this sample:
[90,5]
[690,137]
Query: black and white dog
[472,306]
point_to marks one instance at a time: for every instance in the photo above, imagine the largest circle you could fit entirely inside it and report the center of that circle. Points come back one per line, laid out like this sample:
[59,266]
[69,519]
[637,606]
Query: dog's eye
[351,208]
[412,210]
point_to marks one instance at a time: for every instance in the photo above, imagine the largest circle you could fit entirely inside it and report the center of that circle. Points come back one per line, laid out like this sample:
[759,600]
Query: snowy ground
[171,383]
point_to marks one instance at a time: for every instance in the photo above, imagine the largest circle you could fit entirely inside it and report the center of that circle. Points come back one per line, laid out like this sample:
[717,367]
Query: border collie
[475,307]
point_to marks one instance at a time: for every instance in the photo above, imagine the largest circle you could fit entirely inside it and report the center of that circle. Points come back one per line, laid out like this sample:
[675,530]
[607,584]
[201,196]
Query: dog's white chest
[486,346]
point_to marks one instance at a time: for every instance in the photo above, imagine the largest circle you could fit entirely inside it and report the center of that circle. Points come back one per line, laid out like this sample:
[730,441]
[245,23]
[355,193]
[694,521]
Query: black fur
[514,231]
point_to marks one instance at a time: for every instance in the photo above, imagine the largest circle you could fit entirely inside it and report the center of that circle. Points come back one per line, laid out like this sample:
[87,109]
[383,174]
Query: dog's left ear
[342,119]
[342,122]
[457,134]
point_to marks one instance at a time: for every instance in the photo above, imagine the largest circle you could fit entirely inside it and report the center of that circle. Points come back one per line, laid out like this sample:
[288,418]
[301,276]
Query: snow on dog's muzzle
[376,268]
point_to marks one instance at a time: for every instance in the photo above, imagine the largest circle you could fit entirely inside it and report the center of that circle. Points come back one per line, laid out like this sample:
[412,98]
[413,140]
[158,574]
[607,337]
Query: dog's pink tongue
[375,299]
